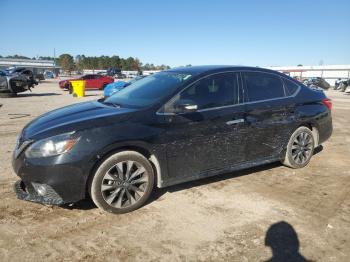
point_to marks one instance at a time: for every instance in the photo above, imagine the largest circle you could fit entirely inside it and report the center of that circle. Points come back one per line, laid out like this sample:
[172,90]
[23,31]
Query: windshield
[148,90]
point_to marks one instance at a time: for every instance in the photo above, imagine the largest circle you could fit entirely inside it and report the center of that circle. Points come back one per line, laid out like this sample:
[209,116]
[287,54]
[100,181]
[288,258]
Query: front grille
[17,83]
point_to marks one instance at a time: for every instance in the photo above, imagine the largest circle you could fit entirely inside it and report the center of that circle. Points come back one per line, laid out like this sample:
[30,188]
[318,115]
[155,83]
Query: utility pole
[54,60]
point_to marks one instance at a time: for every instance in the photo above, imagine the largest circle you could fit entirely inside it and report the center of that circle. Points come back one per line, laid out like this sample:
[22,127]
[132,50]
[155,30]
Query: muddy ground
[233,217]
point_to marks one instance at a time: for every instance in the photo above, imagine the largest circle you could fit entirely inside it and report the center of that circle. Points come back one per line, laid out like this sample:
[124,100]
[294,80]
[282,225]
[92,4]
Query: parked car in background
[49,74]
[113,88]
[317,81]
[114,72]
[171,127]
[11,84]
[28,74]
[343,85]
[337,83]
[92,81]
[39,77]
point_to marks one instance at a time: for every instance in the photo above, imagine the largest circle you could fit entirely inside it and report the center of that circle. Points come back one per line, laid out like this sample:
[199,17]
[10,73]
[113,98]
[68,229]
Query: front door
[212,137]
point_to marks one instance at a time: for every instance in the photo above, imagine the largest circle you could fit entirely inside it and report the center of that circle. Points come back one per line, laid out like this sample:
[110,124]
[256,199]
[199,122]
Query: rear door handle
[236,121]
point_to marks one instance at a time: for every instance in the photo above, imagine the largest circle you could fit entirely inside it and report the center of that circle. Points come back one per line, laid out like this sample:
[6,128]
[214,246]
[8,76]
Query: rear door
[266,115]
[96,81]
[213,137]
[88,81]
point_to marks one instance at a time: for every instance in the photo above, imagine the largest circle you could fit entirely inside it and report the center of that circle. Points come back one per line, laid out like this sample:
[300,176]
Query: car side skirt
[215,172]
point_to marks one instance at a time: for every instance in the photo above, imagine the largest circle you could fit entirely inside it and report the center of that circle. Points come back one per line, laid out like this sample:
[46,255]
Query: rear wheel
[122,183]
[70,89]
[300,148]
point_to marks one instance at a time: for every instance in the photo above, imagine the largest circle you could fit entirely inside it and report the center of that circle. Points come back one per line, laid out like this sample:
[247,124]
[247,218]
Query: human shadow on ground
[283,240]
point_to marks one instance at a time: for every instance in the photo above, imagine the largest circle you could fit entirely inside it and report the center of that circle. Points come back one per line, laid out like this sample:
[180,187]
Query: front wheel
[300,148]
[122,183]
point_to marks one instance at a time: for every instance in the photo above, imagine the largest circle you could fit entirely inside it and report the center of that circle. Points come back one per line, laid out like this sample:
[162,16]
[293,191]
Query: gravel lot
[233,217]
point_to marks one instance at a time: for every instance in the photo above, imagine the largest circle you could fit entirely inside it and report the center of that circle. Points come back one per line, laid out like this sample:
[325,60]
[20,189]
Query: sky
[179,32]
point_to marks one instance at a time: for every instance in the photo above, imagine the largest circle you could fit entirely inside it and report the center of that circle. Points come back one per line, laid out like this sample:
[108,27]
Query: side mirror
[185,106]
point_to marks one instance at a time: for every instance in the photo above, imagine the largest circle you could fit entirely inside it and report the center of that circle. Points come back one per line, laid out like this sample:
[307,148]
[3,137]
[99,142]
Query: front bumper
[27,192]
[63,177]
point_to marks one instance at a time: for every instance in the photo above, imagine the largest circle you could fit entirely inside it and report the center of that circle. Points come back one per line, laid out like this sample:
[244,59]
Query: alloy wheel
[302,148]
[124,184]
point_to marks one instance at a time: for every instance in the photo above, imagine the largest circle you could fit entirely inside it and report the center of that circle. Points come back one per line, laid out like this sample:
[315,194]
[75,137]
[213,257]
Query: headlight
[52,146]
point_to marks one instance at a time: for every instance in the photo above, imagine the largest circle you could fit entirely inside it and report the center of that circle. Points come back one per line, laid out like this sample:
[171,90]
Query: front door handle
[236,121]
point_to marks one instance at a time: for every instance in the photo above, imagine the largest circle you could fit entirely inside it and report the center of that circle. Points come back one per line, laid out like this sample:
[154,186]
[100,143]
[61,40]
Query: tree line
[80,62]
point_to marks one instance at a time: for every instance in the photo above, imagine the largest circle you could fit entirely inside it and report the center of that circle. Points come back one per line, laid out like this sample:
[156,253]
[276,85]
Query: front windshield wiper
[113,104]
[103,101]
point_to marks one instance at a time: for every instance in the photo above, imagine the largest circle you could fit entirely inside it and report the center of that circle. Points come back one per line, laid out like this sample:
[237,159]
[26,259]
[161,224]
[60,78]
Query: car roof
[204,69]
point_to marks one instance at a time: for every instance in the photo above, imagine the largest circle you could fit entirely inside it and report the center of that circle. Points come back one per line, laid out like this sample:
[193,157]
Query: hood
[74,118]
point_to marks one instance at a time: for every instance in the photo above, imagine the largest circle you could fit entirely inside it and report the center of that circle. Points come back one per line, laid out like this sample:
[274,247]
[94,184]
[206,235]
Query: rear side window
[263,86]
[290,87]
[214,91]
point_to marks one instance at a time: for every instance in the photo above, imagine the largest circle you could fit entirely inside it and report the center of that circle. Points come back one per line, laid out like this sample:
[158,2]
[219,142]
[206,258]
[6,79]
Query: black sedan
[171,127]
[10,85]
[317,81]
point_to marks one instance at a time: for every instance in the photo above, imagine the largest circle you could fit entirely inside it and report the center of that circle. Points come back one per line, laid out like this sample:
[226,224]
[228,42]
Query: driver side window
[213,91]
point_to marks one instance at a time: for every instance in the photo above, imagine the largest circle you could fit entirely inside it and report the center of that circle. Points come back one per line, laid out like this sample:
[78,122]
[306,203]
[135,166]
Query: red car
[92,81]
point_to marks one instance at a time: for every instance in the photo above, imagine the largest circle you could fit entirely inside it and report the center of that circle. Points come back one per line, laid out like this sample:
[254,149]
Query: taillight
[328,103]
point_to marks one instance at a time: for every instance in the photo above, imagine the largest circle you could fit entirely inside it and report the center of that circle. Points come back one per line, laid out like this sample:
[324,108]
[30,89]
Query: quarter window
[263,86]
[214,91]
[290,87]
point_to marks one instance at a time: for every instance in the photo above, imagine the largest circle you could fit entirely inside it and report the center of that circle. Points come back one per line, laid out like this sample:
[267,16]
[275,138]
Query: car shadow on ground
[158,192]
[283,240]
[87,203]
[37,94]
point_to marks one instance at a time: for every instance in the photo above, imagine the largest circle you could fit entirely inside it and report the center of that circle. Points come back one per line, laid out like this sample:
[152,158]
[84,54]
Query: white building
[37,66]
[329,72]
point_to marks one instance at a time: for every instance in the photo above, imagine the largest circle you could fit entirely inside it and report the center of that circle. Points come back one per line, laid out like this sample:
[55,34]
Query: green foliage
[46,58]
[17,57]
[105,62]
[80,62]
[66,61]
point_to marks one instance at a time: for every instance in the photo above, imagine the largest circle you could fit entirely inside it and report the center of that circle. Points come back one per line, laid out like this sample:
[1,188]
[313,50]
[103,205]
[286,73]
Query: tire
[300,148]
[70,89]
[342,87]
[113,189]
